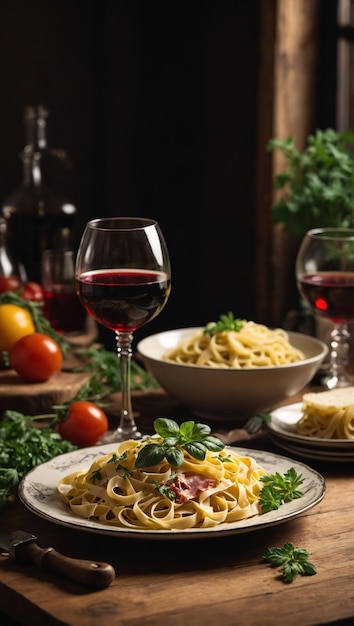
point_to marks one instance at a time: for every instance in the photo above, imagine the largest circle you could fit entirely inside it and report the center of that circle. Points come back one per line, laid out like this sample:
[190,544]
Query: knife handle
[90,573]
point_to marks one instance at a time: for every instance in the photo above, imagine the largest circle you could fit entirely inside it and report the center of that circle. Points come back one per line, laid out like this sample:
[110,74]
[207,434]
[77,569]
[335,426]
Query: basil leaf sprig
[293,561]
[173,439]
[226,322]
[279,489]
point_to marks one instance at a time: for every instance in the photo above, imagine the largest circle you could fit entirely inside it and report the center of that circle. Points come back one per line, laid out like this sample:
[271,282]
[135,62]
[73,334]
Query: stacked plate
[282,430]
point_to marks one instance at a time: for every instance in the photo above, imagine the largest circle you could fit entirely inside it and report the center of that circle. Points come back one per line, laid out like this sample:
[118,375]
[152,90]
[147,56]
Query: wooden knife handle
[91,573]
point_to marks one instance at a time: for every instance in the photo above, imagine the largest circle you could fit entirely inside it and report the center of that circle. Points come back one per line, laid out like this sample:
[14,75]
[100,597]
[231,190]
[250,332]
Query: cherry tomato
[36,357]
[9,283]
[15,322]
[84,424]
[33,291]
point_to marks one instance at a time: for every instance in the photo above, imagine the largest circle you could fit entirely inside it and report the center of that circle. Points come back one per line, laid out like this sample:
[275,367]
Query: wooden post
[289,43]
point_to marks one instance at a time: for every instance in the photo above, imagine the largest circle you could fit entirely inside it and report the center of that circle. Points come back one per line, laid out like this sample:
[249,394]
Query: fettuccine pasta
[222,488]
[255,345]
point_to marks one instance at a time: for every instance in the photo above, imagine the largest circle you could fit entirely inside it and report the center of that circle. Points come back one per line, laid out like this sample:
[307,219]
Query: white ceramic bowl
[229,393]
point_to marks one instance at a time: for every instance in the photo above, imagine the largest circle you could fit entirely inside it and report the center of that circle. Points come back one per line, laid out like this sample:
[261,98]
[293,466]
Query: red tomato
[36,357]
[9,283]
[84,424]
[33,291]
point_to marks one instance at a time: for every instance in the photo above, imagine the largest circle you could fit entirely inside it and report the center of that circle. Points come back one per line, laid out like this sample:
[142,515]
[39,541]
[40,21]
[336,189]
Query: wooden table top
[205,582]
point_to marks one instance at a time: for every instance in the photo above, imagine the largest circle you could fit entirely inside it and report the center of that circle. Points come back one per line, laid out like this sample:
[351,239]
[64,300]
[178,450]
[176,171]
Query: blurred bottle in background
[9,268]
[37,216]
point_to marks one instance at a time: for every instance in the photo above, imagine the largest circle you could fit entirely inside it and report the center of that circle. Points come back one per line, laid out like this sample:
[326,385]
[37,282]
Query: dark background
[157,105]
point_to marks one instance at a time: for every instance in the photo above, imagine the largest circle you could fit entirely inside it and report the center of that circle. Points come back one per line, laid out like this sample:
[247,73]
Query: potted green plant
[317,183]
[318,191]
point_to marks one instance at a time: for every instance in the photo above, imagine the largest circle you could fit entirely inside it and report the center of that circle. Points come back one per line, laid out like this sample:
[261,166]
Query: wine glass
[325,279]
[123,280]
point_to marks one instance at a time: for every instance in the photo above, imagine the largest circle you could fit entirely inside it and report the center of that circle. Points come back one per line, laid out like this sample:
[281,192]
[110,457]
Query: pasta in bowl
[219,382]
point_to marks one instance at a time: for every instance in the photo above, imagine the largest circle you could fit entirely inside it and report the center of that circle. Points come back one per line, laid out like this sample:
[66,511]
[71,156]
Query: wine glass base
[336,382]
[116,436]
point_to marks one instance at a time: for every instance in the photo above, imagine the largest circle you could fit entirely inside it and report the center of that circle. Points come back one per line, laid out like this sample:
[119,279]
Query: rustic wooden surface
[216,580]
[38,398]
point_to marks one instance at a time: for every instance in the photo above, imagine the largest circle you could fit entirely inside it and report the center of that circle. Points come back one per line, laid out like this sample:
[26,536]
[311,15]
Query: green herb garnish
[164,489]
[293,561]
[104,365]
[189,436]
[115,458]
[96,475]
[226,322]
[279,489]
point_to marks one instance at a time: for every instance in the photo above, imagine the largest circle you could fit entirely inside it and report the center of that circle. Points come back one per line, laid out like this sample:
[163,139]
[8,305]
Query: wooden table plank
[215,580]
[199,582]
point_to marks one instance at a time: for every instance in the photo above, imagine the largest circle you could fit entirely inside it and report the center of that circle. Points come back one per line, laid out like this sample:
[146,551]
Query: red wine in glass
[123,300]
[325,278]
[64,310]
[330,294]
[123,280]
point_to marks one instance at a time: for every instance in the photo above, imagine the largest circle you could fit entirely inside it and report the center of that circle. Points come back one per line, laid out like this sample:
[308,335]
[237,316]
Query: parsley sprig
[165,489]
[104,364]
[189,436]
[22,447]
[293,561]
[279,489]
[226,322]
[317,182]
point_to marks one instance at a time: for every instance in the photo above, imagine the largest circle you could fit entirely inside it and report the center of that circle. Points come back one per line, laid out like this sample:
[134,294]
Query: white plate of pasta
[283,427]
[39,493]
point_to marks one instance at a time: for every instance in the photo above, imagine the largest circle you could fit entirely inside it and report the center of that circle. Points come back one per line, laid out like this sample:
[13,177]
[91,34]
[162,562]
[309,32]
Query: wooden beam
[290,36]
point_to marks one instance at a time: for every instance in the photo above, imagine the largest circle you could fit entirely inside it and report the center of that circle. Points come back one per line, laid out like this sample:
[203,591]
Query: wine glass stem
[338,358]
[339,353]
[124,350]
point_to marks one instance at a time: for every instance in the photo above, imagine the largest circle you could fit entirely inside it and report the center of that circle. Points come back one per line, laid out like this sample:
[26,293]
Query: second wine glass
[123,279]
[325,278]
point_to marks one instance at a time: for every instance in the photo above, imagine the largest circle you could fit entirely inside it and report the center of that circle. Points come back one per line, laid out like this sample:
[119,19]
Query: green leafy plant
[226,322]
[22,447]
[293,561]
[279,489]
[189,436]
[318,183]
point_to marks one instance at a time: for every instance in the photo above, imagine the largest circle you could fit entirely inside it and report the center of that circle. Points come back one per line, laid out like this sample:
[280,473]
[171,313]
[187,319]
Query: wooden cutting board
[38,398]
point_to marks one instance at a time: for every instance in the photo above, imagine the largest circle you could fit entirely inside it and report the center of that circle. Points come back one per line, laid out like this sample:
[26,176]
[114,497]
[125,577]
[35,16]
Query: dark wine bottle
[38,218]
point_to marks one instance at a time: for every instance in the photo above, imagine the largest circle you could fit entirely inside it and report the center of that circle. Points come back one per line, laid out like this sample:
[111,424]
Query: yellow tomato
[15,322]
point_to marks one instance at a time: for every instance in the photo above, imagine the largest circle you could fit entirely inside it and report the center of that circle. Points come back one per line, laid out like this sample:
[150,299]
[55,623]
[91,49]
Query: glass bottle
[8,265]
[54,160]
[38,218]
